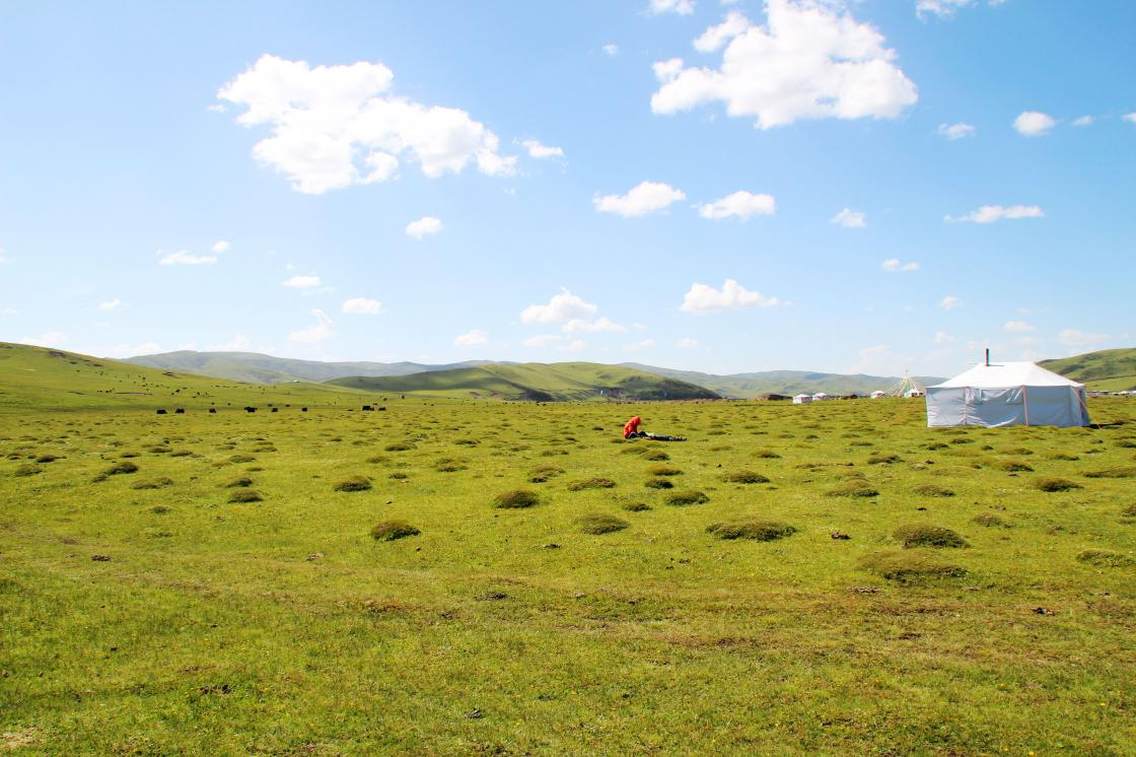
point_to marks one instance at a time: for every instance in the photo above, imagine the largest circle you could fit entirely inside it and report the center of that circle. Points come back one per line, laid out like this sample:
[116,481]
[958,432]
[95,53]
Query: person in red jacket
[631,431]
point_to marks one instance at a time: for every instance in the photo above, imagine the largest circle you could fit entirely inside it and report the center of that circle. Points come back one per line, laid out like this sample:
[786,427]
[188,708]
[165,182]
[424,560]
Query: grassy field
[213,583]
[1104,370]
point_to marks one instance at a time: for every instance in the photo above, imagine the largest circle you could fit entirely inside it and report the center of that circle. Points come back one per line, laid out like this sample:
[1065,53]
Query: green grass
[173,620]
[1104,370]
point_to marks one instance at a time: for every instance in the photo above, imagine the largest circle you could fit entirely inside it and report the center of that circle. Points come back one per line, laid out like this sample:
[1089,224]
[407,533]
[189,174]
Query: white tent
[876,395]
[820,397]
[1007,394]
[802,399]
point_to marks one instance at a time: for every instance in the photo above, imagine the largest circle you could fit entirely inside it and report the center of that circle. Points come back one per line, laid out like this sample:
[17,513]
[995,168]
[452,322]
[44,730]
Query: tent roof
[1001,375]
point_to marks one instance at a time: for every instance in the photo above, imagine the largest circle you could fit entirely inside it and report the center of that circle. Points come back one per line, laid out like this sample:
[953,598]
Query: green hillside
[757,384]
[1104,370]
[42,378]
[266,369]
[536,381]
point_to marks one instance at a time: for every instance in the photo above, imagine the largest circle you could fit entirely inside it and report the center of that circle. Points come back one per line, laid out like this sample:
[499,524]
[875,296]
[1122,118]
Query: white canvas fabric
[1007,394]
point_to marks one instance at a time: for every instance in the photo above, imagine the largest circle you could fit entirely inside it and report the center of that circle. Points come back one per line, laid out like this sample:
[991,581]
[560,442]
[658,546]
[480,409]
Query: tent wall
[1010,406]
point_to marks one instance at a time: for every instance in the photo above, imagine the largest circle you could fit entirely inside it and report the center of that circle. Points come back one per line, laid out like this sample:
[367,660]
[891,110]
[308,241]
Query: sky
[872,186]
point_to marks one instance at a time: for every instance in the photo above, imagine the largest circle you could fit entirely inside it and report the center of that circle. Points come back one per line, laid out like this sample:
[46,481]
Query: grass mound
[659,483]
[1056,484]
[246,495]
[239,483]
[601,524]
[1015,466]
[353,484]
[853,487]
[1129,512]
[757,530]
[591,483]
[990,520]
[933,490]
[766,454]
[47,458]
[684,498]
[746,477]
[389,530]
[882,458]
[119,469]
[242,459]
[664,470]
[1126,472]
[1106,558]
[398,447]
[923,535]
[656,455]
[450,465]
[515,499]
[155,483]
[542,473]
[910,567]
[636,507]
[27,469]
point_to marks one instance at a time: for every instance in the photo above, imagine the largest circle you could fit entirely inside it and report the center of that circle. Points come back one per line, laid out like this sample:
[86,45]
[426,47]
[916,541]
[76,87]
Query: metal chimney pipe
[987,357]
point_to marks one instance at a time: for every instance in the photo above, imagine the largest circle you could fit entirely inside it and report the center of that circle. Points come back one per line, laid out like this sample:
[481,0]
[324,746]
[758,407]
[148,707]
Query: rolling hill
[266,369]
[536,381]
[1104,370]
[751,385]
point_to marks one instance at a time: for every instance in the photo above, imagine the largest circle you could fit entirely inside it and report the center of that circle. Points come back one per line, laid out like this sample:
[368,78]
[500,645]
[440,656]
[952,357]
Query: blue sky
[877,185]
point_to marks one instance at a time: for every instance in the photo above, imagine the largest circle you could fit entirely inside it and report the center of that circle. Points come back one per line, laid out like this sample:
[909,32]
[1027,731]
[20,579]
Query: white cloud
[687,343]
[956,131]
[335,126]
[1018,327]
[945,8]
[46,339]
[992,213]
[942,337]
[542,340]
[1076,338]
[811,60]
[1129,117]
[681,7]
[850,219]
[3,255]
[646,197]
[314,334]
[582,326]
[472,338]
[739,204]
[221,246]
[702,298]
[611,49]
[895,264]
[185,257]
[950,302]
[302,282]
[362,306]
[1032,123]
[576,345]
[562,307]
[109,305]
[537,150]
[645,344]
[1084,121]
[424,226]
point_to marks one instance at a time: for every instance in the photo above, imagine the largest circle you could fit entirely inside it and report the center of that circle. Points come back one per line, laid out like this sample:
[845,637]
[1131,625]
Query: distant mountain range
[762,383]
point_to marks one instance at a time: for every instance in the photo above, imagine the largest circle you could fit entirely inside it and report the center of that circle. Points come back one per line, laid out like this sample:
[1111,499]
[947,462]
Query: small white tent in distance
[1007,394]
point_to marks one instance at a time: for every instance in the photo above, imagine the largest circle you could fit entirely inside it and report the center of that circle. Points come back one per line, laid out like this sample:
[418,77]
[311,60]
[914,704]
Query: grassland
[1104,370]
[470,577]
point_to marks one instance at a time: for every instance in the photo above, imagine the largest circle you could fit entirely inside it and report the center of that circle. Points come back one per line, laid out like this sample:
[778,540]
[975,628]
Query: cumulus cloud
[810,60]
[537,150]
[956,131]
[1018,327]
[850,219]
[472,338]
[1084,121]
[942,337]
[740,205]
[316,333]
[362,306]
[541,341]
[1077,338]
[562,307]
[950,302]
[681,7]
[895,264]
[642,199]
[185,257]
[992,213]
[302,282]
[645,344]
[335,126]
[611,49]
[702,298]
[945,8]
[1032,123]
[423,227]
[584,326]
[221,246]
[1129,117]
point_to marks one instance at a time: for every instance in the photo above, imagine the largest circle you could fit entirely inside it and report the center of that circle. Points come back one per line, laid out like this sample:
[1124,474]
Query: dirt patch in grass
[1015,466]
[853,487]
[907,567]
[757,530]
[591,483]
[516,498]
[1125,472]
[746,477]
[664,470]
[684,498]
[1056,484]
[246,495]
[353,484]
[990,520]
[600,524]
[1106,558]
[119,469]
[924,535]
[390,530]
[933,490]
[542,473]
[155,483]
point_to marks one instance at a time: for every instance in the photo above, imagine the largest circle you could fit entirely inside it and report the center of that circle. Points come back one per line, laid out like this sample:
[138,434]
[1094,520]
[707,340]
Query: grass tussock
[1015,466]
[1105,558]
[246,495]
[659,483]
[591,483]
[597,524]
[1056,485]
[636,507]
[909,567]
[543,473]
[756,530]
[664,470]
[243,482]
[161,482]
[27,469]
[933,490]
[1120,472]
[390,530]
[656,455]
[517,498]
[398,447]
[882,458]
[746,477]
[242,459]
[766,454]
[853,487]
[353,484]
[685,498]
[990,520]
[119,469]
[450,465]
[923,535]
